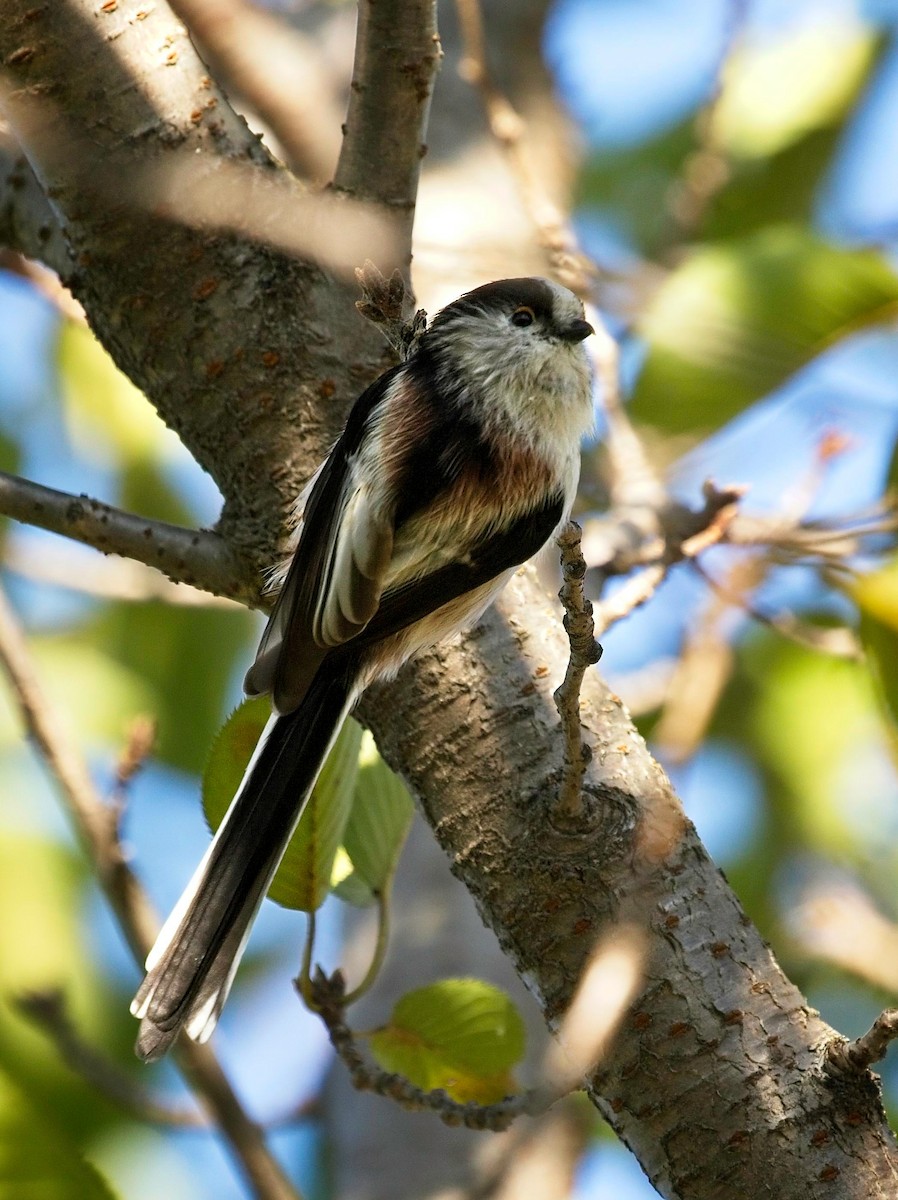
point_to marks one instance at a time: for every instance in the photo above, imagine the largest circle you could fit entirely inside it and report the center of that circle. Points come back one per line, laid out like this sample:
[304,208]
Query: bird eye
[523,316]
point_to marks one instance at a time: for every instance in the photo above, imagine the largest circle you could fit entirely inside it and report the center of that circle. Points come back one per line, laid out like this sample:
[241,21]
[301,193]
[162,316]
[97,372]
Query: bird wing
[334,582]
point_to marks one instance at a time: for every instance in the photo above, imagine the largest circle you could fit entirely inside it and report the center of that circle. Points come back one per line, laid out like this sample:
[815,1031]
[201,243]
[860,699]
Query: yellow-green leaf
[876,595]
[737,319]
[462,1035]
[378,825]
[777,91]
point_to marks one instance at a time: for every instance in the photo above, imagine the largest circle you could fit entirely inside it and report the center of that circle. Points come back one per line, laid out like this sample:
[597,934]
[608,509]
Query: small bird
[454,468]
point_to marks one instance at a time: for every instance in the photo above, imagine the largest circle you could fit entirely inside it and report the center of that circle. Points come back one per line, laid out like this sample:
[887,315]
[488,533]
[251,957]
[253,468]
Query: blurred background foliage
[739,195]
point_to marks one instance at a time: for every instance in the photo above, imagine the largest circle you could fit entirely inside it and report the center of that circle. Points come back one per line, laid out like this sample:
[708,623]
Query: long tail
[192,965]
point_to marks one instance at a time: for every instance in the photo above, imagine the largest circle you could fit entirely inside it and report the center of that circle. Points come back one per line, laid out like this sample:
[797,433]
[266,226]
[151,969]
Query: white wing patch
[357,563]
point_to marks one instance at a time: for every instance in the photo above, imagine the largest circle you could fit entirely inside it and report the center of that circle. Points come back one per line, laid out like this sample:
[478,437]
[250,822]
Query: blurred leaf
[462,1035]
[144,488]
[106,415]
[632,186]
[185,658]
[378,824]
[96,694]
[44,946]
[736,320]
[303,878]
[38,1160]
[778,90]
[774,190]
[815,728]
[876,595]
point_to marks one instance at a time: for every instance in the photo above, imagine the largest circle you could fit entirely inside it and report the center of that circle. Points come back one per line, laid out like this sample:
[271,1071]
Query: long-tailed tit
[453,468]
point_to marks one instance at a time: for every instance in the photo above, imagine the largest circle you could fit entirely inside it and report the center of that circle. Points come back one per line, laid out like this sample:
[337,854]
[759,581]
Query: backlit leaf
[462,1035]
[378,824]
[737,319]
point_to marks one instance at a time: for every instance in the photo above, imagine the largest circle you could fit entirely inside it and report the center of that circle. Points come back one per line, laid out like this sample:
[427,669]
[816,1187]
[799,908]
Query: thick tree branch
[396,60]
[714,1004]
[96,827]
[278,72]
[192,556]
[256,396]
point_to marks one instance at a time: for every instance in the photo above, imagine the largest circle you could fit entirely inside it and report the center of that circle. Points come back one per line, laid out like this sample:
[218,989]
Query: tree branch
[255,400]
[844,1056]
[27,220]
[278,71]
[192,556]
[712,998]
[585,653]
[396,60]
[96,827]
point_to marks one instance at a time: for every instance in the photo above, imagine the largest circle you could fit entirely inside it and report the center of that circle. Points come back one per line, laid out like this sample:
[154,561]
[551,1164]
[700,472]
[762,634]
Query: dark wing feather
[290,653]
[496,552]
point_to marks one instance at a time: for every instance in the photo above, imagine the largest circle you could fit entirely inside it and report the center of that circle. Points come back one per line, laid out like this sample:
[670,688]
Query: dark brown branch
[96,826]
[585,653]
[191,556]
[397,55]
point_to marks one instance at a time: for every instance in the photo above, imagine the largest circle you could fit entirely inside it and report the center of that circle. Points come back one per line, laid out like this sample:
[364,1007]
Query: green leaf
[777,91]
[462,1035]
[876,595]
[381,816]
[736,320]
[229,753]
[813,720]
[38,1159]
[184,657]
[303,878]
[633,186]
[774,190]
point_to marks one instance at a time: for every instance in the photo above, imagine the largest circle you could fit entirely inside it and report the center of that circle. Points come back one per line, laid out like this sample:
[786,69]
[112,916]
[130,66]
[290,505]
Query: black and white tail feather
[453,469]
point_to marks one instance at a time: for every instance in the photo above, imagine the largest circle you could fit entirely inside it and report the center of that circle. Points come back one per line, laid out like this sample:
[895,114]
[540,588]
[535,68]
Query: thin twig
[49,1012]
[388,304]
[95,825]
[585,652]
[630,596]
[193,556]
[844,1057]
[139,744]
[708,168]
